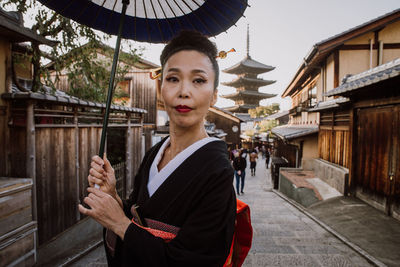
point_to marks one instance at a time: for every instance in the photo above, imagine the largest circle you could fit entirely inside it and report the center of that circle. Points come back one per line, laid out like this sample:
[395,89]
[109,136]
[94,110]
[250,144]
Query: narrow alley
[283,235]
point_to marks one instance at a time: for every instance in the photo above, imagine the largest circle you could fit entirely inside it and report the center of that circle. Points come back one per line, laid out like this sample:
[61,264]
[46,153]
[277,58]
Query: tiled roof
[11,27]
[372,76]
[248,65]
[291,131]
[236,107]
[278,115]
[243,116]
[243,81]
[61,97]
[249,93]
[334,103]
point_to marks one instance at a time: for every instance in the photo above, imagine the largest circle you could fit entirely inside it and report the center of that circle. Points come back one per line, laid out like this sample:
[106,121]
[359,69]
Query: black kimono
[198,197]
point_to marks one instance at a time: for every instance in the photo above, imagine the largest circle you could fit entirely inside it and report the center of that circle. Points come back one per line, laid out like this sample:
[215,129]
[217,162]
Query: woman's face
[188,88]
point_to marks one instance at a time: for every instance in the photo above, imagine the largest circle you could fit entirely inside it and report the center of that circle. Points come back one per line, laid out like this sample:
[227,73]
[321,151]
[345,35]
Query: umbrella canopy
[154,21]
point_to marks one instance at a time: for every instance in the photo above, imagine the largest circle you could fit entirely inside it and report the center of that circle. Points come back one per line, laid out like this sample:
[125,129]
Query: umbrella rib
[147,22]
[83,10]
[166,19]
[111,15]
[193,27]
[222,14]
[158,25]
[234,10]
[172,10]
[98,12]
[199,18]
[215,20]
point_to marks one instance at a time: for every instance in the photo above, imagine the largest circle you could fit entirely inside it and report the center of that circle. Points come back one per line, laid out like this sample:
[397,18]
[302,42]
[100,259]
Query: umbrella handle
[125,4]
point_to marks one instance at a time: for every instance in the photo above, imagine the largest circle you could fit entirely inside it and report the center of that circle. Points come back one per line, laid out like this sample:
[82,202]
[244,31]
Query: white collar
[156,178]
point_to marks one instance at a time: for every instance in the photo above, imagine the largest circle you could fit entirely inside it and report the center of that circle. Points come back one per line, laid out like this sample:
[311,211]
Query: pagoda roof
[248,65]
[243,107]
[254,94]
[243,81]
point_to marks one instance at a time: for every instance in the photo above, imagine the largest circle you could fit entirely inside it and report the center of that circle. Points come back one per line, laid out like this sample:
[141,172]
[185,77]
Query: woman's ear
[214,97]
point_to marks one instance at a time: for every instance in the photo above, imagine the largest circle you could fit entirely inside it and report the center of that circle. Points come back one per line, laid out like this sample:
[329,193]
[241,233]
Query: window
[312,96]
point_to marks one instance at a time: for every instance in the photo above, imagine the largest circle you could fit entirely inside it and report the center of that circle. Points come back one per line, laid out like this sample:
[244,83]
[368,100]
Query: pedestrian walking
[240,164]
[267,157]
[253,162]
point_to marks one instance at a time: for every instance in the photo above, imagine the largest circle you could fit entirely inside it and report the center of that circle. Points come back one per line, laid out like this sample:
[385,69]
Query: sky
[282,32]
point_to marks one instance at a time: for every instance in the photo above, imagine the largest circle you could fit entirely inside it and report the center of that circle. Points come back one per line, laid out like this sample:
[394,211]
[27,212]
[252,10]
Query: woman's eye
[199,80]
[171,79]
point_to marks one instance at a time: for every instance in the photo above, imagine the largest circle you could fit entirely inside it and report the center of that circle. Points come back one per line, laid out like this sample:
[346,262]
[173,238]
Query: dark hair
[192,40]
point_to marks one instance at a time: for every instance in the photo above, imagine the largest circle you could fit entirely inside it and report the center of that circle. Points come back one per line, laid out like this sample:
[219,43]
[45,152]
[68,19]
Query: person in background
[240,164]
[267,157]
[253,162]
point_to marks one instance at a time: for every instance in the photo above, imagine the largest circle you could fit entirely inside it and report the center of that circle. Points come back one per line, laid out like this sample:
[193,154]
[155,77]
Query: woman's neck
[180,138]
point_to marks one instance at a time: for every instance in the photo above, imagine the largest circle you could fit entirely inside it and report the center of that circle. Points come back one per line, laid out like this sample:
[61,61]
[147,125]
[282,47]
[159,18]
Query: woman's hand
[102,174]
[239,172]
[106,211]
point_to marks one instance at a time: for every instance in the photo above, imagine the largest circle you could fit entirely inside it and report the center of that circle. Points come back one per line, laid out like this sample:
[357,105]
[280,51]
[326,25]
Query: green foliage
[88,76]
[264,111]
[267,125]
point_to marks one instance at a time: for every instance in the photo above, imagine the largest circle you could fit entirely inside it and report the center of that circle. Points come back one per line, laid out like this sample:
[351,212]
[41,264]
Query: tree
[264,111]
[89,76]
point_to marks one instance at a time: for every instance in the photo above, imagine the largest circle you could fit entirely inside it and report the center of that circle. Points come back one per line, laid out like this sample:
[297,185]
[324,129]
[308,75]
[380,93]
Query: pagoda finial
[248,41]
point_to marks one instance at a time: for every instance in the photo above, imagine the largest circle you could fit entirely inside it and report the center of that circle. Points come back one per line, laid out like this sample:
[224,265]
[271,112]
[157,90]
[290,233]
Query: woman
[184,183]
[239,164]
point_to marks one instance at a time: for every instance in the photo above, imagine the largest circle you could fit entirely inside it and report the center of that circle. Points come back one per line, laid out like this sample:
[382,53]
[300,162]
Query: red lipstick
[183,109]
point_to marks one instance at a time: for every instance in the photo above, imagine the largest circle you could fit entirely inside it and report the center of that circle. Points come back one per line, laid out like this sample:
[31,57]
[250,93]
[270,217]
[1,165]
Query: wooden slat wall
[396,159]
[334,145]
[89,143]
[143,95]
[55,178]
[18,152]
[334,137]
[3,136]
[136,159]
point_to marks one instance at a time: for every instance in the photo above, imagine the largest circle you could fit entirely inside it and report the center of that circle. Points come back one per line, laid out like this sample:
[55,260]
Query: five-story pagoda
[247,83]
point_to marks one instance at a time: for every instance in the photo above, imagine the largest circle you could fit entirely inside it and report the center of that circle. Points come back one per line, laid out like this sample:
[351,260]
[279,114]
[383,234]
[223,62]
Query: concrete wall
[334,175]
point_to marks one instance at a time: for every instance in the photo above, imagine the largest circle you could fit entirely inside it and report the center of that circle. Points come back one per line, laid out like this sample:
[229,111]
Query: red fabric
[242,237]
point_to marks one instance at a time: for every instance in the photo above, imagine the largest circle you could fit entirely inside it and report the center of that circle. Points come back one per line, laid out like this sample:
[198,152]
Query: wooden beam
[128,161]
[31,158]
[77,165]
[336,68]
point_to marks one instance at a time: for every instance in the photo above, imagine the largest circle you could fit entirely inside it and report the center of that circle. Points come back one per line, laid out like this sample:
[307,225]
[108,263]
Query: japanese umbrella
[153,21]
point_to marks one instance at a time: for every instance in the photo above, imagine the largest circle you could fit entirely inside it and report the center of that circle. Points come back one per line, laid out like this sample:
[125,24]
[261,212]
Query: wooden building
[358,49]
[47,139]
[140,90]
[18,223]
[227,122]
[371,146]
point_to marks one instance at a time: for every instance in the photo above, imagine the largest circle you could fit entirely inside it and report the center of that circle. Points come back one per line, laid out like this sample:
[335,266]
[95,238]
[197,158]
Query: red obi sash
[242,237]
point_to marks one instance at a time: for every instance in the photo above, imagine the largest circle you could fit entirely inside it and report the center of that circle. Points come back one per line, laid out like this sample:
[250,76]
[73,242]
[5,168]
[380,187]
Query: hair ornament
[222,54]
[155,74]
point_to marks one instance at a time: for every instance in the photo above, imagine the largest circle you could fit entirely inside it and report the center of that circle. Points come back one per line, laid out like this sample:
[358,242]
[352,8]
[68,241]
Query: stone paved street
[283,235]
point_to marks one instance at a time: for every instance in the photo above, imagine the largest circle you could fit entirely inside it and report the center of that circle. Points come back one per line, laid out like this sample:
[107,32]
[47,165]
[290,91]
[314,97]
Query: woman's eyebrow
[195,71]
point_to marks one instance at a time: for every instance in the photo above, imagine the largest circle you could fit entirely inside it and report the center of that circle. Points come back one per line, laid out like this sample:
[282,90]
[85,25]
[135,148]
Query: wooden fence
[53,144]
